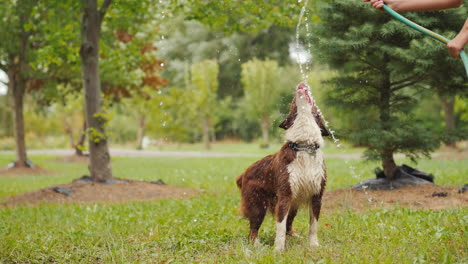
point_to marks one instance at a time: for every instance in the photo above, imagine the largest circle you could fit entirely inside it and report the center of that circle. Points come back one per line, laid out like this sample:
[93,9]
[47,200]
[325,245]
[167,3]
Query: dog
[294,176]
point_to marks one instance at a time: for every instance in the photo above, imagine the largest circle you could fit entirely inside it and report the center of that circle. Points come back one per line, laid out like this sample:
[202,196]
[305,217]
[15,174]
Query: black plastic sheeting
[404,176]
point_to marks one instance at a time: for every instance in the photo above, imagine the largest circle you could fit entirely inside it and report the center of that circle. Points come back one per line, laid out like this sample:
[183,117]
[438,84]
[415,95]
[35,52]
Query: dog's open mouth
[303,91]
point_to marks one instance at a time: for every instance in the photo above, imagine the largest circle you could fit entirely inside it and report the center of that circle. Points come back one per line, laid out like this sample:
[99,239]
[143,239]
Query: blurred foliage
[184,42]
[156,56]
[204,87]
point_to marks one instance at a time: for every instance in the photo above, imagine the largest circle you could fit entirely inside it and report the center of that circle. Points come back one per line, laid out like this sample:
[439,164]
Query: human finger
[378,4]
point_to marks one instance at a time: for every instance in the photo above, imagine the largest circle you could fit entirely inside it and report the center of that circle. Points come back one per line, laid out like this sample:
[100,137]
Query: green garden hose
[426,31]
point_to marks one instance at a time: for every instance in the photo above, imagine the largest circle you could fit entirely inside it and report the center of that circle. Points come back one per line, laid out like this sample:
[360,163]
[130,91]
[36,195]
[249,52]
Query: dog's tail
[239,181]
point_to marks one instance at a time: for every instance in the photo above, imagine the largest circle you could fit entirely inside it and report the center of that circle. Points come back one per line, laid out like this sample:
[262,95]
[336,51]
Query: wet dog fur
[294,176]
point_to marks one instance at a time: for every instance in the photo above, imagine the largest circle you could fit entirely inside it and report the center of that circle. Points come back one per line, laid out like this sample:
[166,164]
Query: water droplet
[162,64]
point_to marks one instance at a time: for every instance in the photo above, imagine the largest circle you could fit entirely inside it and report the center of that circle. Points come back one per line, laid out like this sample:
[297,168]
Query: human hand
[454,47]
[457,44]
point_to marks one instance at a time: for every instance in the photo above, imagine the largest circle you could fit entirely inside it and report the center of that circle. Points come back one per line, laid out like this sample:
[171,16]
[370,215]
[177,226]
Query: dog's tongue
[302,85]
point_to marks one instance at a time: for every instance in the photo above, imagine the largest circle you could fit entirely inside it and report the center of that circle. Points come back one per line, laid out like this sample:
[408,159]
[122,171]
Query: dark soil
[15,171]
[426,196]
[80,192]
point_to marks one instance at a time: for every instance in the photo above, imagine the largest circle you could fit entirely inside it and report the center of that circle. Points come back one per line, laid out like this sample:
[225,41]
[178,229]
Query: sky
[3,79]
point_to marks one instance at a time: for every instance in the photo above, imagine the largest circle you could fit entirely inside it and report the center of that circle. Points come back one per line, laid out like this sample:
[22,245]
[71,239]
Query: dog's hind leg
[255,211]
[314,211]
[255,223]
[289,230]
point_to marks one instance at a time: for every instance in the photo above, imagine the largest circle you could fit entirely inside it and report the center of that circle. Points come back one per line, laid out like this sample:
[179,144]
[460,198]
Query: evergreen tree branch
[404,80]
[405,84]
[375,67]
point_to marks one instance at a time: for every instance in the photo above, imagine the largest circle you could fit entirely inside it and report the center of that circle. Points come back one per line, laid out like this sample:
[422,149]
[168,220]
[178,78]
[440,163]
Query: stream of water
[305,73]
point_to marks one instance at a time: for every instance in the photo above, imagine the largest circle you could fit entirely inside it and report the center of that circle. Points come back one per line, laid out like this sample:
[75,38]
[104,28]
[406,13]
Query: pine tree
[445,75]
[379,77]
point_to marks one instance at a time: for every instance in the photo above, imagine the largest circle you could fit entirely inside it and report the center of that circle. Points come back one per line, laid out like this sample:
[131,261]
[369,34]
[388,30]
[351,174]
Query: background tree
[30,28]
[204,81]
[256,29]
[250,16]
[262,88]
[70,112]
[229,49]
[15,62]
[445,75]
[376,83]
[100,167]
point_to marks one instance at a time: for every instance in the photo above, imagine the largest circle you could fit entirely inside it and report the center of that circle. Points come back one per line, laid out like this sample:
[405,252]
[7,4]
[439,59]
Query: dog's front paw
[257,243]
[279,248]
[314,243]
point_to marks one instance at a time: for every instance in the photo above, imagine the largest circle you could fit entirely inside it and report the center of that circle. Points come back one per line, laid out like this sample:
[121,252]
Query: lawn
[207,228]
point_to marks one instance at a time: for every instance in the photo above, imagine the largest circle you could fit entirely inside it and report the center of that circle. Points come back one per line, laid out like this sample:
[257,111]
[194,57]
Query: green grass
[207,229]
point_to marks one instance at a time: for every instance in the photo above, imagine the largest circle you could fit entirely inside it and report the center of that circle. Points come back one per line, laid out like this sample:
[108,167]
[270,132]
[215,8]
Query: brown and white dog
[293,176]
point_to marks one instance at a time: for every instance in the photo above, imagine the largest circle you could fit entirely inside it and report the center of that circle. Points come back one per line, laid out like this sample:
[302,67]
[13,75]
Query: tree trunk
[100,167]
[16,85]
[386,154]
[213,135]
[81,141]
[141,131]
[388,164]
[448,105]
[206,132]
[265,129]
[7,115]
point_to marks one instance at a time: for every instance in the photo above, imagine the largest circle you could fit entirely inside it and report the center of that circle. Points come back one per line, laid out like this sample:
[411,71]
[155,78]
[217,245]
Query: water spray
[298,26]
[305,76]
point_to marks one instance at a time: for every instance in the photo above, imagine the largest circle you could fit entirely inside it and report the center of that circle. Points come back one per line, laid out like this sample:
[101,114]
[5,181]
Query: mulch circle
[83,192]
[15,171]
[426,196]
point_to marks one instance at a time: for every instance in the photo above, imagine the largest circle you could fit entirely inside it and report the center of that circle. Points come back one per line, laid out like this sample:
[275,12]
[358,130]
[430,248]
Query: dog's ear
[324,131]
[319,121]
[289,121]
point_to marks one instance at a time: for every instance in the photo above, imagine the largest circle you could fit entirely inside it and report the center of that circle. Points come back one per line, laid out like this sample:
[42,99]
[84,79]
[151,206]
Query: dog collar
[309,148]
